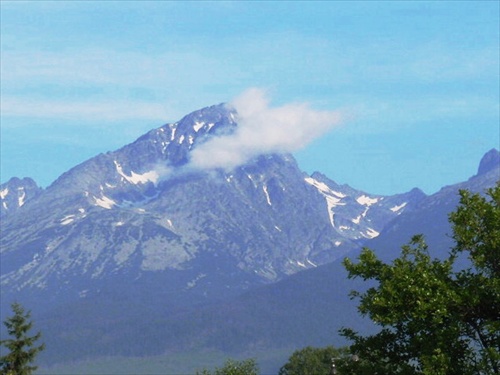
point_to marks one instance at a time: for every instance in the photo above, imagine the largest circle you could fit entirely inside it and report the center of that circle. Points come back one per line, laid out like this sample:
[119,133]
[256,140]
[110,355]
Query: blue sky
[417,82]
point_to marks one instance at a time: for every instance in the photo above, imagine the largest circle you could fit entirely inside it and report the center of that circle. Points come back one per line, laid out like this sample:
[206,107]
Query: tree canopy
[21,347]
[435,317]
[234,367]
[312,361]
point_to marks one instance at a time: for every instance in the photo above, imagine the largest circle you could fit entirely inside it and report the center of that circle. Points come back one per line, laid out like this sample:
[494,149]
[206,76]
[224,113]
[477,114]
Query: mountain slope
[431,216]
[143,209]
[310,307]
[307,308]
[139,232]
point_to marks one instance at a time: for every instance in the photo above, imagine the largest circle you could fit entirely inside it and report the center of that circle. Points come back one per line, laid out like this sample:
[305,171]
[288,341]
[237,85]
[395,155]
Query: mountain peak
[490,161]
[16,192]
[25,181]
[172,142]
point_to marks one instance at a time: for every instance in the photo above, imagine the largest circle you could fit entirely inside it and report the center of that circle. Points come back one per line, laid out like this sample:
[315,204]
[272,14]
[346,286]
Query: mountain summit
[15,193]
[489,162]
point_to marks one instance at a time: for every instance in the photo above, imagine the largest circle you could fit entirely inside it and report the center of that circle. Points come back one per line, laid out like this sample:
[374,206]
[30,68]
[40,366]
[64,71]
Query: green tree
[313,361]
[21,348]
[477,234]
[435,318]
[233,367]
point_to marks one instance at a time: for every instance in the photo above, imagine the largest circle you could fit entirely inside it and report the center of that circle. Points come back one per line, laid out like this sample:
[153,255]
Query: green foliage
[312,361]
[232,367]
[21,349]
[477,234]
[434,318]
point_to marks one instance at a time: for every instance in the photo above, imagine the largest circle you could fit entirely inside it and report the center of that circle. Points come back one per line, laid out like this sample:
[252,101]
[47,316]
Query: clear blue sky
[418,80]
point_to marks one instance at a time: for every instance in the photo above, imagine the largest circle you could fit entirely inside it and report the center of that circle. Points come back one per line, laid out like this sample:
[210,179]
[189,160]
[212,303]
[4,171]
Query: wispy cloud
[112,84]
[78,111]
[94,66]
[193,75]
[264,129]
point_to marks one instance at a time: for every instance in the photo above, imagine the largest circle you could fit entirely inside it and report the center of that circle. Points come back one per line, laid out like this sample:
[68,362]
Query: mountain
[431,216]
[15,193]
[141,212]
[489,162]
[358,215]
[306,308]
[135,251]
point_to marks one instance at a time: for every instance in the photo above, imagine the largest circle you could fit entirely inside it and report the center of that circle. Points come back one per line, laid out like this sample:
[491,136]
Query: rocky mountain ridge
[142,209]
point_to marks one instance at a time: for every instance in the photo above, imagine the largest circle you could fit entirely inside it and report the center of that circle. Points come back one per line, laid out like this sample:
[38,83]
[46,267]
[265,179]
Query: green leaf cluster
[21,348]
[234,367]
[312,361]
[436,318]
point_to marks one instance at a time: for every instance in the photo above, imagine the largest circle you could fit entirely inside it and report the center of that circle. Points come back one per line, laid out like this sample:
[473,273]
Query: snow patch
[278,228]
[321,186]
[371,233]
[301,264]
[366,201]
[332,202]
[134,178]
[4,192]
[20,199]
[311,263]
[104,202]
[267,195]
[198,125]
[333,198]
[173,127]
[338,243]
[181,139]
[358,219]
[397,208]
[67,219]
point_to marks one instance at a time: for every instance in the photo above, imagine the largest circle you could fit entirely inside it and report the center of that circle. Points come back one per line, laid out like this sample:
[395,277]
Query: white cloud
[263,129]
